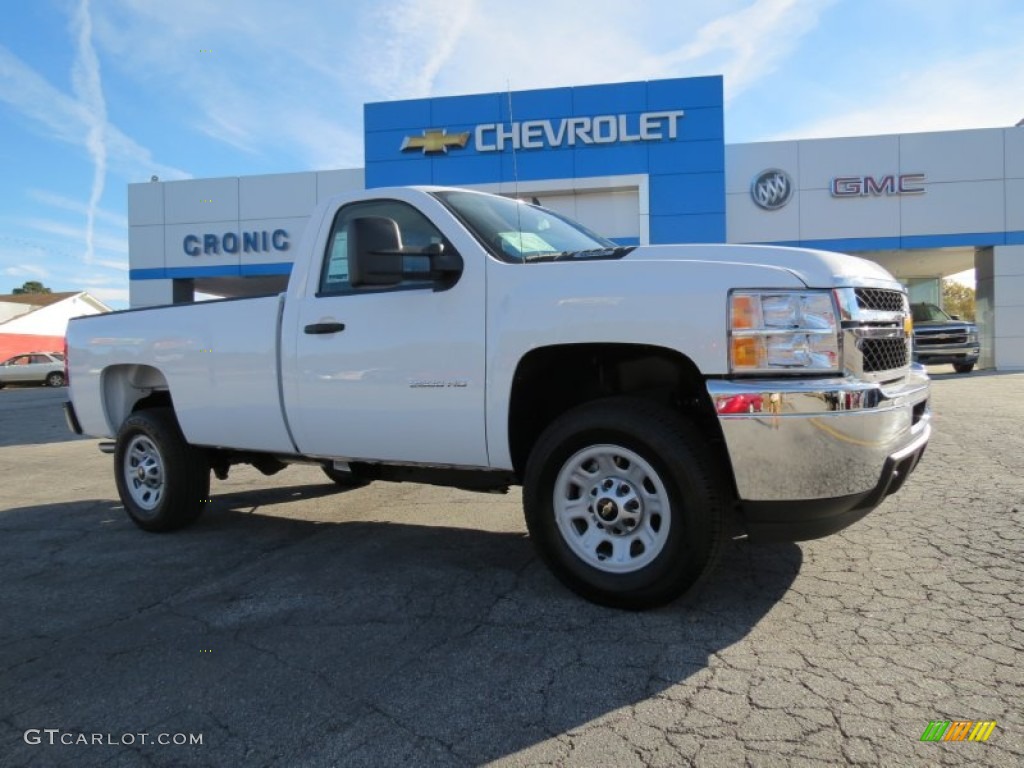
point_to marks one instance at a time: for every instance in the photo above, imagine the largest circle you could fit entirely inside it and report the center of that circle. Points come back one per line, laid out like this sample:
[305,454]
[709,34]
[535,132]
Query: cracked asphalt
[402,625]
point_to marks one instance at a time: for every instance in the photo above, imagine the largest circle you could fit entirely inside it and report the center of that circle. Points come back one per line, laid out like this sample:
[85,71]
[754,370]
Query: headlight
[783,330]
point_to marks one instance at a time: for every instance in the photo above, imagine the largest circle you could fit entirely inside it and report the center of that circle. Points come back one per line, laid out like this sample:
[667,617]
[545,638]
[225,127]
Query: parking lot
[402,625]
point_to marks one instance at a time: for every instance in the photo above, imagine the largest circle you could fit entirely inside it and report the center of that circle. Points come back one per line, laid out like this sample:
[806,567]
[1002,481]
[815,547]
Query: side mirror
[955,317]
[374,251]
[376,256]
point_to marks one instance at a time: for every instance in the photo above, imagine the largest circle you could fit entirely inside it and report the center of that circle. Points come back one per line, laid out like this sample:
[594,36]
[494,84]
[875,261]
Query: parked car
[942,338]
[34,367]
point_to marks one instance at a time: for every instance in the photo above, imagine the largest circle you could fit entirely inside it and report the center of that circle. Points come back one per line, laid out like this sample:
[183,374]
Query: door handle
[315,328]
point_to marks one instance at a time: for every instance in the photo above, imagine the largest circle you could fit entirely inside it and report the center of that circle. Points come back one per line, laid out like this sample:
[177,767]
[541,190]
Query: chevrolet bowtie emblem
[435,140]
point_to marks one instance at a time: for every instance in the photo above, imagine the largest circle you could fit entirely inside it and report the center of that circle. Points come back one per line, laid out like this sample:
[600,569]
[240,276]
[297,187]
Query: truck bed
[218,358]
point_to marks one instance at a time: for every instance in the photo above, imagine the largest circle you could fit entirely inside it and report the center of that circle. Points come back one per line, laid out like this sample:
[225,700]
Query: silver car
[39,367]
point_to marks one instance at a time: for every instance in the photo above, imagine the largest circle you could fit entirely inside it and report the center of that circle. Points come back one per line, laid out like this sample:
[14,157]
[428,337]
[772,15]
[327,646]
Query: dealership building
[641,162]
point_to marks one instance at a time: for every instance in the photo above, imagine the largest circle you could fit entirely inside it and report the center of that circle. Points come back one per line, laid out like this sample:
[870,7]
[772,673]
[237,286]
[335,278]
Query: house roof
[35,302]
[36,299]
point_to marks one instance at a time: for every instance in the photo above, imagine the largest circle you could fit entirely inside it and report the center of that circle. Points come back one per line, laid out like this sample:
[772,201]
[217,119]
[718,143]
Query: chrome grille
[883,354]
[931,339]
[879,299]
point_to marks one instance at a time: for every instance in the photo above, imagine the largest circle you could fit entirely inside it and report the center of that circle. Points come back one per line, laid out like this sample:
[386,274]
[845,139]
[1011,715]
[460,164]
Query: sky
[98,94]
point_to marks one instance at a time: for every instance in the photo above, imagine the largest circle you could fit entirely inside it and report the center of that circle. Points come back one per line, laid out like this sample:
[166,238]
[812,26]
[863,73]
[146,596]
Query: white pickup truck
[650,400]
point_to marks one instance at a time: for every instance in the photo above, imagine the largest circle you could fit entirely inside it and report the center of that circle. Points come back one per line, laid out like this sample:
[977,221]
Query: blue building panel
[389,144]
[538,165]
[252,270]
[687,193]
[481,108]
[564,133]
[596,99]
[694,228]
[544,104]
[466,169]
[391,115]
[702,124]
[610,161]
[687,157]
[693,92]
[397,173]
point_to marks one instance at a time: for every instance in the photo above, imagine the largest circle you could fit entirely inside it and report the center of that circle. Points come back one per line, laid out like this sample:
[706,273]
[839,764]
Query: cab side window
[415,229]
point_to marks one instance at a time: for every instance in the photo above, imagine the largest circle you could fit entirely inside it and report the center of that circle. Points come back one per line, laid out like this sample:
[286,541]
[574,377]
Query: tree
[32,286]
[958,300]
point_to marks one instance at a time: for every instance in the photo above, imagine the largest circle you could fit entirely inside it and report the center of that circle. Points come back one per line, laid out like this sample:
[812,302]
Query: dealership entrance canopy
[641,162]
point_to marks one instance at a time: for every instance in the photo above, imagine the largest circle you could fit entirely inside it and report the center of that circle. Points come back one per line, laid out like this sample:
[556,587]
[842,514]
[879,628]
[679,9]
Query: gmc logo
[870,186]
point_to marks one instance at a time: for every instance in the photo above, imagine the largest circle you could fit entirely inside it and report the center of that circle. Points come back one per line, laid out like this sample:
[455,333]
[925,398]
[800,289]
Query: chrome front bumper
[832,443]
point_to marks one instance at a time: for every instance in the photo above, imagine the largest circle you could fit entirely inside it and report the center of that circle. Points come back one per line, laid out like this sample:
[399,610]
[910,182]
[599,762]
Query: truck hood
[817,269]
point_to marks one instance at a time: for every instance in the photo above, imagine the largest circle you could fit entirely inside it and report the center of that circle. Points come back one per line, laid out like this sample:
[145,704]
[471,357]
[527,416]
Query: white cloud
[68,204]
[88,86]
[952,94]
[543,44]
[26,270]
[744,46]
[416,40]
[63,118]
[121,266]
[94,280]
[272,82]
[108,295]
[101,241]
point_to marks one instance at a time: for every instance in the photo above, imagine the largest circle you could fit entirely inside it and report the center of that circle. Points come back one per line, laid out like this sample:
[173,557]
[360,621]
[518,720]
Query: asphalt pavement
[404,625]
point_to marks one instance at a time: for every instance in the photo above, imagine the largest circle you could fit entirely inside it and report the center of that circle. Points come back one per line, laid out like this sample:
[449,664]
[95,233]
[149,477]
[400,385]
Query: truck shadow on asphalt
[287,640]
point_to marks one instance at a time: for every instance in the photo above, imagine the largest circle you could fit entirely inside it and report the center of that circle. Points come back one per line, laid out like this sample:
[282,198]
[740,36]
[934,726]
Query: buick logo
[771,189]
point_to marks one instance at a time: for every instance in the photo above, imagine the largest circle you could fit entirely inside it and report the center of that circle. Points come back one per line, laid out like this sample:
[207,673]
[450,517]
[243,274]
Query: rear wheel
[163,481]
[963,367]
[55,379]
[623,503]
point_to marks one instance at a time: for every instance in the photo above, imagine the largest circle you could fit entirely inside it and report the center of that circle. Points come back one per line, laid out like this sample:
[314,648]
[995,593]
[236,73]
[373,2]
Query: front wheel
[163,481]
[624,504]
[963,367]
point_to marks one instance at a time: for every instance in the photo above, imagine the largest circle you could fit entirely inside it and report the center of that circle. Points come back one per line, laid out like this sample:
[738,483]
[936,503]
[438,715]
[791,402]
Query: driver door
[390,374]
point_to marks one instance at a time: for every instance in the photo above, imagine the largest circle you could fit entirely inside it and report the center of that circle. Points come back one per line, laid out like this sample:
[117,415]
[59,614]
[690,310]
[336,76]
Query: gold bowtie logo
[435,140]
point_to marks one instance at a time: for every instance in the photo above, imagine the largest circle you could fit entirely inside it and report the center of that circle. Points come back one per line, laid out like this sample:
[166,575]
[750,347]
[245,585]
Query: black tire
[343,478]
[963,367]
[678,454]
[55,379]
[150,442]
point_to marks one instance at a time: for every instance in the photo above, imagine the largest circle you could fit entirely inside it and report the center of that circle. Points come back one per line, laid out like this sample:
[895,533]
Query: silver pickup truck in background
[942,338]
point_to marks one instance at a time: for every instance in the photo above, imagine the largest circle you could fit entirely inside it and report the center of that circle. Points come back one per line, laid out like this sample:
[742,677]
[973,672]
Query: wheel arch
[552,380]
[130,388]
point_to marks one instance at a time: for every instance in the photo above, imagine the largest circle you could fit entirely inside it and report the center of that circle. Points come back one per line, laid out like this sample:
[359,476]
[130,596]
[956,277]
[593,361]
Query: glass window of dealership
[641,162]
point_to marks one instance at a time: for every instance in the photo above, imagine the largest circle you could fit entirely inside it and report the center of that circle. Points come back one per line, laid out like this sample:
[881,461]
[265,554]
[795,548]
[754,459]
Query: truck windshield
[928,313]
[517,231]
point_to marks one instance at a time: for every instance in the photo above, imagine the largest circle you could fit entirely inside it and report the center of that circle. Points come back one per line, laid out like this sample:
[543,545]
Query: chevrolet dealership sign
[551,134]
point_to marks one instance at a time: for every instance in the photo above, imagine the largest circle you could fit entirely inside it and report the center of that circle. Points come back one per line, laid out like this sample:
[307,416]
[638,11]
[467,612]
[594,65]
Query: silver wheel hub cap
[611,508]
[144,472]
